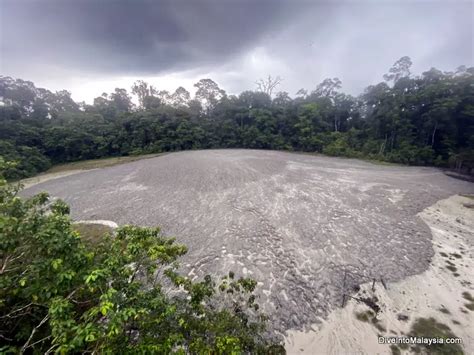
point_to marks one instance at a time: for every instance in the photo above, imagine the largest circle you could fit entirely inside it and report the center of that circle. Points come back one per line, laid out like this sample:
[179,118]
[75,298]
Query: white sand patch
[104,222]
[131,186]
[452,226]
[396,195]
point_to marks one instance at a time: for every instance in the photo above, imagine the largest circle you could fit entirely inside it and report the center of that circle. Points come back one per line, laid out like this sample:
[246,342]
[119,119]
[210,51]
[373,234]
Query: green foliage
[423,120]
[29,160]
[431,328]
[121,294]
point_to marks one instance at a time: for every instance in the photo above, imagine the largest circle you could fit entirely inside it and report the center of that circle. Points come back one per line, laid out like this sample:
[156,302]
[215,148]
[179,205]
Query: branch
[51,349]
[27,344]
[268,85]
[7,260]
[37,342]
[10,315]
[4,337]
[4,264]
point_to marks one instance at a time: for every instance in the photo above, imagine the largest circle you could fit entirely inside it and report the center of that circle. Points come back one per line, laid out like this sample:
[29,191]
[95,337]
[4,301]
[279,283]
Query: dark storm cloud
[89,46]
[363,39]
[133,37]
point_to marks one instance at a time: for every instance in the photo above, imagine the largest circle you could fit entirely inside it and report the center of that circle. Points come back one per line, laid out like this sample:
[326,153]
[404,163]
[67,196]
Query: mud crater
[296,223]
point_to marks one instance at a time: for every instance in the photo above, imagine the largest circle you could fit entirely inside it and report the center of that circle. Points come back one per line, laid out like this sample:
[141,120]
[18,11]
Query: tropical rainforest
[425,119]
[123,293]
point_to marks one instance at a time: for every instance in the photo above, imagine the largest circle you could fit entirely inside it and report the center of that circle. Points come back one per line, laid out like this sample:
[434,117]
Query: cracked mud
[295,223]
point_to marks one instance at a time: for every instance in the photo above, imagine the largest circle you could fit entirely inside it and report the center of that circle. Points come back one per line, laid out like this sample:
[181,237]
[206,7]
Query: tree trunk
[433,135]
[382,147]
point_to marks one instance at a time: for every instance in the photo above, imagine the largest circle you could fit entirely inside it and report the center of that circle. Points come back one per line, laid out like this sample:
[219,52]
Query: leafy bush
[29,160]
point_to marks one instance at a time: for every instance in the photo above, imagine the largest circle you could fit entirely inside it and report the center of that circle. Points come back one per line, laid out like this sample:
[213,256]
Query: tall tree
[400,69]
[121,100]
[181,97]
[327,88]
[144,92]
[209,93]
[268,85]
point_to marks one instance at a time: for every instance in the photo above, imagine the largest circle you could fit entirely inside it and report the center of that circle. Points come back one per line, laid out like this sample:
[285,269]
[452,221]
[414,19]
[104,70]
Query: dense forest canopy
[424,120]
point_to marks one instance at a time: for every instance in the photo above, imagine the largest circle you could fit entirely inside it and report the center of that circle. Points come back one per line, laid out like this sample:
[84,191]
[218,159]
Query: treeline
[422,120]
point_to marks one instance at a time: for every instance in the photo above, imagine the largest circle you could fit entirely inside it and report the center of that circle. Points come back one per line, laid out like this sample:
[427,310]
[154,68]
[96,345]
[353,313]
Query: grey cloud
[133,37]
[303,41]
[363,39]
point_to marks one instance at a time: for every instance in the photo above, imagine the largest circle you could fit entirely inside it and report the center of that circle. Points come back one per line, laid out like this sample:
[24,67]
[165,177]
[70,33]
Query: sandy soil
[35,180]
[295,223]
[72,168]
[423,295]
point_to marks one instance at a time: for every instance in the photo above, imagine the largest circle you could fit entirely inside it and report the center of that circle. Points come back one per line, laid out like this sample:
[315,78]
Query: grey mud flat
[298,224]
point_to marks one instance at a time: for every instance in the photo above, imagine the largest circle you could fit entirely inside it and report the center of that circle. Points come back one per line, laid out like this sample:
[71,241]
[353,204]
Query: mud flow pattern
[295,223]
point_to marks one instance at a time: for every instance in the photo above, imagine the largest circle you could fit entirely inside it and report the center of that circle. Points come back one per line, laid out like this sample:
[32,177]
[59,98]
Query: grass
[364,316]
[444,310]
[365,159]
[395,350]
[376,324]
[431,328]
[452,268]
[370,317]
[469,306]
[98,163]
[92,233]
[467,296]
[58,170]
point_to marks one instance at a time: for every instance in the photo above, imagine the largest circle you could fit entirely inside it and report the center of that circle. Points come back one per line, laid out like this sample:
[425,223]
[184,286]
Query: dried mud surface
[296,223]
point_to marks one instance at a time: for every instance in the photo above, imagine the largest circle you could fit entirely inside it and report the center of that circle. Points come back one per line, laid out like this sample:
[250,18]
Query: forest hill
[419,120]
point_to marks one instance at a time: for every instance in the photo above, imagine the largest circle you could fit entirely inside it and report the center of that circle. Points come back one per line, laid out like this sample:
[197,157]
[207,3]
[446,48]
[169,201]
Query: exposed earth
[296,223]
[443,292]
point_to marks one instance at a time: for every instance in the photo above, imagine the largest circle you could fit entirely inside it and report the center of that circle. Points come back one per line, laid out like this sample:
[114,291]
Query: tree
[268,85]
[61,102]
[425,119]
[209,93]
[145,93]
[254,99]
[181,97]
[327,88]
[282,98]
[302,93]
[17,92]
[61,293]
[164,97]
[343,108]
[121,100]
[401,69]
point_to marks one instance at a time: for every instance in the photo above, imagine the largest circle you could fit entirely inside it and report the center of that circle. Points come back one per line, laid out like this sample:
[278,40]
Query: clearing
[296,223]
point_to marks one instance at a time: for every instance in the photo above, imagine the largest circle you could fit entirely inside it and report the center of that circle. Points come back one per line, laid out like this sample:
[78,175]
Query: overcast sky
[89,47]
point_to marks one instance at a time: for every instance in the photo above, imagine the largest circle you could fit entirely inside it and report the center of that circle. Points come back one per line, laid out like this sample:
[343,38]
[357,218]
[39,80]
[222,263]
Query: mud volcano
[296,223]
